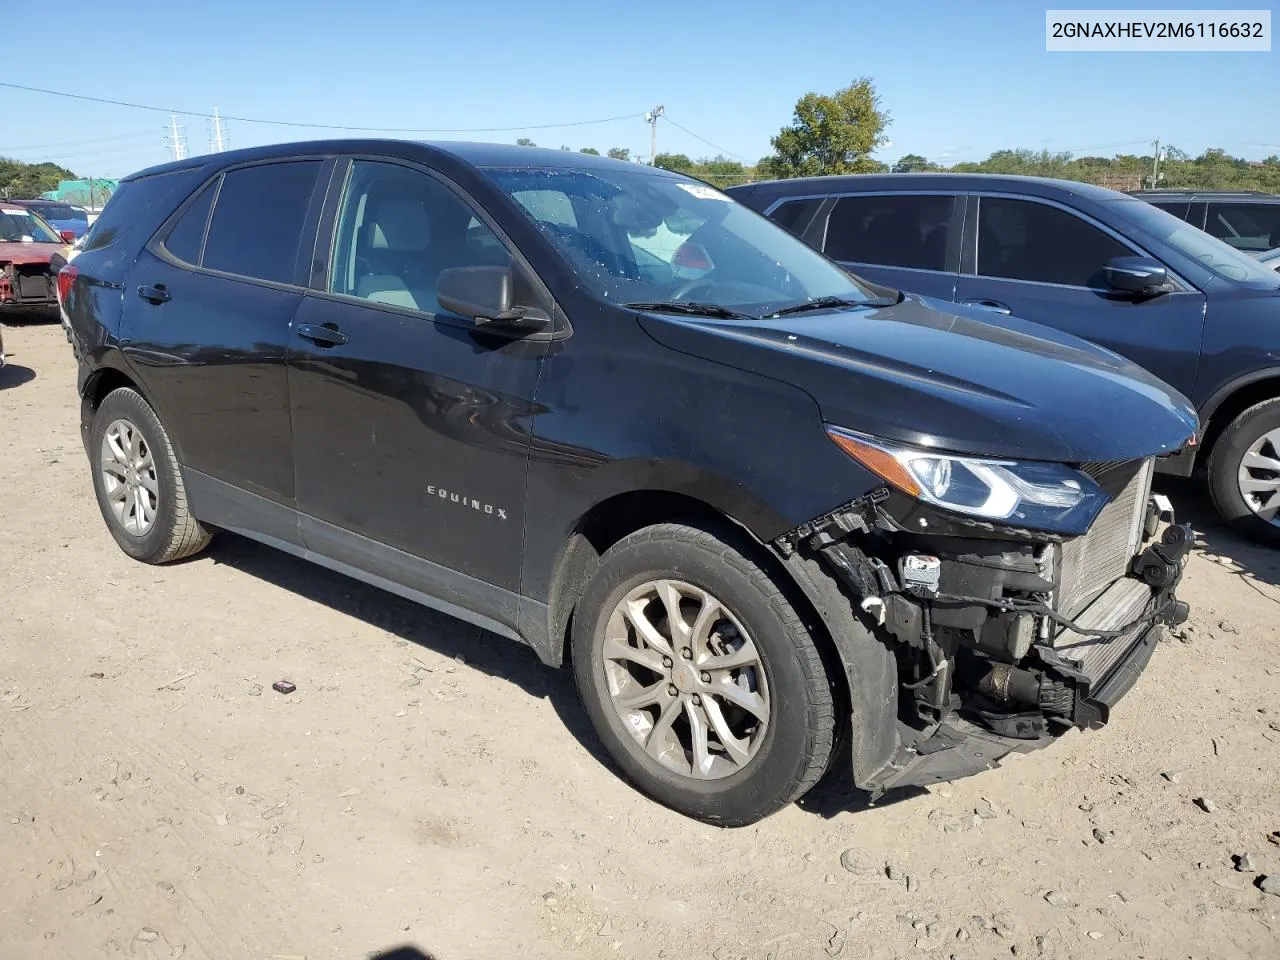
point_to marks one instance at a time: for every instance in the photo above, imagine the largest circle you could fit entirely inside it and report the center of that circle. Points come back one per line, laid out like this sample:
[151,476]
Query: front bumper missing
[1066,676]
[1104,670]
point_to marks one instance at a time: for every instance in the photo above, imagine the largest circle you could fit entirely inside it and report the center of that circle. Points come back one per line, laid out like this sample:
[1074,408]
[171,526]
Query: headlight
[1029,493]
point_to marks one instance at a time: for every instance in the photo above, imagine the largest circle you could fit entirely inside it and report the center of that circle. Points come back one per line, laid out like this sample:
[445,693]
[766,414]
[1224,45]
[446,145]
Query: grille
[1093,562]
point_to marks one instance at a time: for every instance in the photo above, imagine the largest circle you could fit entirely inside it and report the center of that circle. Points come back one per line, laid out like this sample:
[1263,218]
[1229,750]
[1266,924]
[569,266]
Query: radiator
[1091,563]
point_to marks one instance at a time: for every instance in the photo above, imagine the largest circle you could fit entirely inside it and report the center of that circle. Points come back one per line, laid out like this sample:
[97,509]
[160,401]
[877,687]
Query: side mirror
[68,236]
[1137,275]
[485,294]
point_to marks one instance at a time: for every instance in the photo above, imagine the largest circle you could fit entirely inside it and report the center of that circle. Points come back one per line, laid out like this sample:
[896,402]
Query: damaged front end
[27,285]
[1004,637]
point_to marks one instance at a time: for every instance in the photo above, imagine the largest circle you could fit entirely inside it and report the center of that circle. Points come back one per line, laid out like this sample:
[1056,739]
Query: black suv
[1248,221]
[606,411]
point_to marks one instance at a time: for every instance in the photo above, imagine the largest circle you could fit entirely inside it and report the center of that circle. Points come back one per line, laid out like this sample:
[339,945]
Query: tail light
[66,277]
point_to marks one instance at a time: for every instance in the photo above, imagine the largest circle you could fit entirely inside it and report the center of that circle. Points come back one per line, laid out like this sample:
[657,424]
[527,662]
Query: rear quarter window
[140,204]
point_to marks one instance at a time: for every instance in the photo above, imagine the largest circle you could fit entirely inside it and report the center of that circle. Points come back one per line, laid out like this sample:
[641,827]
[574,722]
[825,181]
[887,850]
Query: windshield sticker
[703,192]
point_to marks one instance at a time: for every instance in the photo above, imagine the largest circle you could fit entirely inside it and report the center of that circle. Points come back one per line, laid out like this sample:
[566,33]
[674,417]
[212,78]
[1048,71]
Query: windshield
[642,236]
[62,211]
[1224,260]
[21,225]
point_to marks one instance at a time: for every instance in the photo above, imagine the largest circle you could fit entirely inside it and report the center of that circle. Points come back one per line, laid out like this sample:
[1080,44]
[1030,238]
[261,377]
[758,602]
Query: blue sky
[961,79]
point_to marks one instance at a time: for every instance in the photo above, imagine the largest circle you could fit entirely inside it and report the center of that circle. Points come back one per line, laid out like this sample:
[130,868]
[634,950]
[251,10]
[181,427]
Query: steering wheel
[686,288]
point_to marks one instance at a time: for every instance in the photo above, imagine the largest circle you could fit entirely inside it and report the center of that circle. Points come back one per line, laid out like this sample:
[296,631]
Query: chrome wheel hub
[1259,477]
[686,679]
[129,477]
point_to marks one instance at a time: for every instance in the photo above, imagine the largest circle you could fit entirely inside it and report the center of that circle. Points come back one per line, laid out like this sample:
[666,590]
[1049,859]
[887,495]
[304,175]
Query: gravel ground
[434,789]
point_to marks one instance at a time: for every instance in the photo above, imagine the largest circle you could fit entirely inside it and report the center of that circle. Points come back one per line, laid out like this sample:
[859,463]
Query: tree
[28,180]
[673,161]
[721,171]
[913,163]
[590,151]
[831,134]
[619,153]
[525,142]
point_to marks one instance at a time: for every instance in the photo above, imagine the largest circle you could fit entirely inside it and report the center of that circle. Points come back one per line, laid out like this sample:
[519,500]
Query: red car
[27,281]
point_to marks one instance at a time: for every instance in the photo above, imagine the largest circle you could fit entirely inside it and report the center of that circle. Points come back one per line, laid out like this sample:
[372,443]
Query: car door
[1043,262]
[410,423]
[908,241]
[206,319]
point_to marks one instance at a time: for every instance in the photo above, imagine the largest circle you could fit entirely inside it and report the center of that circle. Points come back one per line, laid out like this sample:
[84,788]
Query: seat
[386,288]
[393,252]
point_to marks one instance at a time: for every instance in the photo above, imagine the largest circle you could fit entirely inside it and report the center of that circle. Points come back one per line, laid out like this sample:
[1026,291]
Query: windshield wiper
[690,307]
[829,303]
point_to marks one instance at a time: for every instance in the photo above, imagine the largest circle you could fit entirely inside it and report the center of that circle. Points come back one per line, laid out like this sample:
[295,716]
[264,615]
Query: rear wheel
[139,483]
[1244,472]
[700,677]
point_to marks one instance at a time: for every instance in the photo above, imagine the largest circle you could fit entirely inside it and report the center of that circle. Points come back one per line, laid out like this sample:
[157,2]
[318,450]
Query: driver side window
[398,229]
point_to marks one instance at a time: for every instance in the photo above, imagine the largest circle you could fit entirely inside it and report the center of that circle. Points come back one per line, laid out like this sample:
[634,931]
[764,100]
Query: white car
[1270,259]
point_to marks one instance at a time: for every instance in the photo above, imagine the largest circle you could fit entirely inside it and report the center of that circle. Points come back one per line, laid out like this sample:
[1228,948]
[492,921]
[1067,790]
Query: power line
[315,126]
[75,143]
[705,140]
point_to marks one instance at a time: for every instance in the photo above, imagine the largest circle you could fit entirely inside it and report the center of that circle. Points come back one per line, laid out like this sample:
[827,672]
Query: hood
[926,373]
[13,251]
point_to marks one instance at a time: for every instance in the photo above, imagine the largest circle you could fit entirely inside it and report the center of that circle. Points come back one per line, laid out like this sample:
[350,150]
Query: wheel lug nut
[697,700]
[666,662]
[687,653]
[706,677]
[671,689]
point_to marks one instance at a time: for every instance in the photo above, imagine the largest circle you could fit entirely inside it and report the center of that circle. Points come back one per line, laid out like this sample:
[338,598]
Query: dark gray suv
[1198,313]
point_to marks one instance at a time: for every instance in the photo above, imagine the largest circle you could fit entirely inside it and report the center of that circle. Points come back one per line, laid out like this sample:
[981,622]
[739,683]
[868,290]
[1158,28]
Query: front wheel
[1244,472]
[701,678]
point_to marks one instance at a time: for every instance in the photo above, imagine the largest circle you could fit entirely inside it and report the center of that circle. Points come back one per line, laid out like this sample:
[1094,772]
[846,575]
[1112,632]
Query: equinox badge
[464,501]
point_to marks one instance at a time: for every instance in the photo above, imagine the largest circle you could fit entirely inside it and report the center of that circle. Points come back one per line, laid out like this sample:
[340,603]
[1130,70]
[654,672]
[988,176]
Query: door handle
[322,335]
[157,293]
[995,306]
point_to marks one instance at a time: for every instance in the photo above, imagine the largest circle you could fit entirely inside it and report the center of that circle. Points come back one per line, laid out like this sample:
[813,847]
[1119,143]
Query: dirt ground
[434,789]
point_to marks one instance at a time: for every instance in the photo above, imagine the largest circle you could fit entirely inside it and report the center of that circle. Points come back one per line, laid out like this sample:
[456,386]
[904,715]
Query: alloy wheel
[1259,477]
[129,477]
[686,679]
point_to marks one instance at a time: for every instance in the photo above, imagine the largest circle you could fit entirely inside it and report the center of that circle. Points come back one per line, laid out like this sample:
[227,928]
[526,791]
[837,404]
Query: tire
[773,763]
[1226,463]
[172,531]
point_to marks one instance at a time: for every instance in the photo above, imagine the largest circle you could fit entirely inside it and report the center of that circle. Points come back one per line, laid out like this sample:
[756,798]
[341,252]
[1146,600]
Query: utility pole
[177,138]
[651,118]
[218,141]
[1155,164]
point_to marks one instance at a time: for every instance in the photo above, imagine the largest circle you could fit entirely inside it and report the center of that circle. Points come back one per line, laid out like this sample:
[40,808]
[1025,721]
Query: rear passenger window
[892,231]
[258,221]
[1251,227]
[1024,240]
[187,236]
